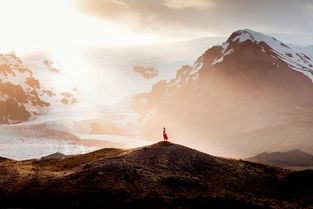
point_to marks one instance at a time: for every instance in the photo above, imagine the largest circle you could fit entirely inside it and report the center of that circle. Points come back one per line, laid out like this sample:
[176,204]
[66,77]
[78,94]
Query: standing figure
[164,134]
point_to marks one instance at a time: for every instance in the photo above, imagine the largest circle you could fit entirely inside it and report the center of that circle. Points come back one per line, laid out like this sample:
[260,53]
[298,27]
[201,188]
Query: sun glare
[58,28]
[42,29]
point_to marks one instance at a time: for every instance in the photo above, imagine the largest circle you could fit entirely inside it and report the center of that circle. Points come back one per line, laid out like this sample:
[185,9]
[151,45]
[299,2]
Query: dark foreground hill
[293,159]
[163,175]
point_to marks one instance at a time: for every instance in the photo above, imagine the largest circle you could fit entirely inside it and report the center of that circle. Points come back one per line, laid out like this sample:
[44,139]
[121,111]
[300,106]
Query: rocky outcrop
[146,72]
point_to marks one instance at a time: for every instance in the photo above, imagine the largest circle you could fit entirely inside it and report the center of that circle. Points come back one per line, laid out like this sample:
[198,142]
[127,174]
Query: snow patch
[219,60]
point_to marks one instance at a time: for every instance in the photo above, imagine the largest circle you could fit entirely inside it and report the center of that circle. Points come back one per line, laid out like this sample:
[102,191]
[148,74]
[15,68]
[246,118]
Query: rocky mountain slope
[293,159]
[163,175]
[251,94]
[24,94]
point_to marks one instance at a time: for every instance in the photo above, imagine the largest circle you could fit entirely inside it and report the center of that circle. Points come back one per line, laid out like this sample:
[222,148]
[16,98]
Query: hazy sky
[196,18]
[57,24]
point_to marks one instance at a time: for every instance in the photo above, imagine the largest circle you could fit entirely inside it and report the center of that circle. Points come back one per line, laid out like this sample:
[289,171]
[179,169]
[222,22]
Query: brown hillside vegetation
[163,175]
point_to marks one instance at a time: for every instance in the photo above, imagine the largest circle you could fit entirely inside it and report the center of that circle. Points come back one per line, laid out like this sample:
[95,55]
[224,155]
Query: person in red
[164,134]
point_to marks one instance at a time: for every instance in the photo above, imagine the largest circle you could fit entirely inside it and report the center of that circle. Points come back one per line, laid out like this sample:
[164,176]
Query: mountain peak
[242,42]
[247,34]
[293,57]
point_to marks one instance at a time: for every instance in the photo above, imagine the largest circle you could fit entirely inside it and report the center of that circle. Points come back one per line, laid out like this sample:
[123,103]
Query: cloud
[177,17]
[178,4]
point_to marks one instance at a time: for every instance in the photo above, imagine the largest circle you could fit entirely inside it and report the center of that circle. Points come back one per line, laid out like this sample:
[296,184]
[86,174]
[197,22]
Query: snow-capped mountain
[251,94]
[24,92]
[58,88]
[268,45]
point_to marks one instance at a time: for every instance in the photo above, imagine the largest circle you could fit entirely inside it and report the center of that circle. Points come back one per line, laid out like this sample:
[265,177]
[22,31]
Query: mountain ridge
[289,159]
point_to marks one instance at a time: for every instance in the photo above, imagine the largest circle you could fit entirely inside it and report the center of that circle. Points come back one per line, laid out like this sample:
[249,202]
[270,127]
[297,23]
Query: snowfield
[26,141]
[39,149]
[64,130]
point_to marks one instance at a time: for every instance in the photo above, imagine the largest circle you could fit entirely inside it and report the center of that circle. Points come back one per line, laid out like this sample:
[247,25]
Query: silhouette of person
[164,134]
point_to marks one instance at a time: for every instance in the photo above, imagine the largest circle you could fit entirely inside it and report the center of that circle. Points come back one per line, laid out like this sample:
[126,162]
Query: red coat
[165,135]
